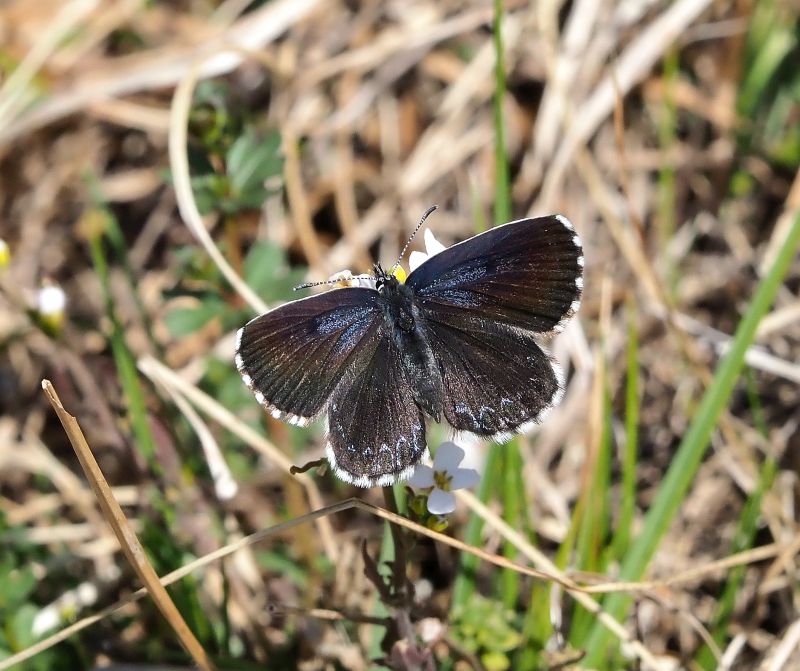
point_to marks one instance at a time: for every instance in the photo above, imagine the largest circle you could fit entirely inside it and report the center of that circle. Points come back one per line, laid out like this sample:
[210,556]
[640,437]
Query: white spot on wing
[566,222]
[365,481]
[558,394]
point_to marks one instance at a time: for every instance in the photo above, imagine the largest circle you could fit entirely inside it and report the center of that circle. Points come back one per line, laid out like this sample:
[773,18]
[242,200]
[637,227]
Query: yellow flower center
[442,480]
[400,274]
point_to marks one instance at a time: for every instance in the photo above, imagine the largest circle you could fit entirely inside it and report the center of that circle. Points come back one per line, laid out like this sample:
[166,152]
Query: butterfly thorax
[406,324]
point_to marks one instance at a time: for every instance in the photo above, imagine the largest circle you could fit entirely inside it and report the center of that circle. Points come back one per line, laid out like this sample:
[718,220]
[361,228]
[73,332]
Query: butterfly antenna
[308,285]
[428,212]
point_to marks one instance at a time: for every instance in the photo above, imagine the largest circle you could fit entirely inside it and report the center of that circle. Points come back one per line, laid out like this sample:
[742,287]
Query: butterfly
[456,341]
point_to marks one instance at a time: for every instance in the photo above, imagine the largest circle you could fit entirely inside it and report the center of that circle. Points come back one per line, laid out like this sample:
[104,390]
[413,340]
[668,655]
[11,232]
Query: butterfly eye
[379,283]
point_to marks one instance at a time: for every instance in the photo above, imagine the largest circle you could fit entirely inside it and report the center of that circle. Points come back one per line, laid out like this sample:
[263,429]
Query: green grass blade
[693,446]
[502,204]
[113,233]
[513,505]
[464,585]
[512,461]
[630,455]
[667,128]
[123,357]
[742,539]
[593,529]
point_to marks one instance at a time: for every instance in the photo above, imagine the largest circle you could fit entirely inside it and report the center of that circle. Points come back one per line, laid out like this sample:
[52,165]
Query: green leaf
[263,262]
[20,629]
[251,160]
[15,586]
[183,321]
[495,661]
[268,273]
[209,191]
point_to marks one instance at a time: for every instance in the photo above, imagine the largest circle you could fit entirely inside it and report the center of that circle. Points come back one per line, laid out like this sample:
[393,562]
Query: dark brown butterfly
[456,340]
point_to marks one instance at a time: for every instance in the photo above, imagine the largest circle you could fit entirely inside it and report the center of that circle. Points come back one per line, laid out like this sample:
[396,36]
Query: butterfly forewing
[294,356]
[376,433]
[527,274]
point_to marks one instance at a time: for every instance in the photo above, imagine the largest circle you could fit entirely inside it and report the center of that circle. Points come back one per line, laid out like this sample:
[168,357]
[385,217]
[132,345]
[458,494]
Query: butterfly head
[385,277]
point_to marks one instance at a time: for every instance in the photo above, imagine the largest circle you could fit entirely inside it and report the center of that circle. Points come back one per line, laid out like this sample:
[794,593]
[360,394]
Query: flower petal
[342,276]
[345,278]
[464,478]
[432,245]
[422,477]
[448,457]
[441,503]
[416,259]
[364,282]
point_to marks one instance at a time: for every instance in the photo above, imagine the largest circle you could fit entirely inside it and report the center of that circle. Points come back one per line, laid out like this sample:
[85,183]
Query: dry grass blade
[549,572]
[14,94]
[164,67]
[632,66]
[779,659]
[544,564]
[157,371]
[298,201]
[691,575]
[274,531]
[179,162]
[129,542]
[225,486]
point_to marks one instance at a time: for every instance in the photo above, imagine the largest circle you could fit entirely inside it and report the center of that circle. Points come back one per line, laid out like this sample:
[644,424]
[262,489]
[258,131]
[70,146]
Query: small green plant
[18,603]
[266,270]
[235,164]
[251,160]
[487,629]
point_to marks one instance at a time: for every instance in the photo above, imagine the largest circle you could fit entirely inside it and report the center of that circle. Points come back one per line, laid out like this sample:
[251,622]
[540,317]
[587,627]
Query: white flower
[443,478]
[50,304]
[432,246]
[51,301]
[5,254]
[345,278]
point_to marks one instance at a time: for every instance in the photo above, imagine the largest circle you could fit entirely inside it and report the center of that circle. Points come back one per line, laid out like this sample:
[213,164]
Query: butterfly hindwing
[294,356]
[496,380]
[527,274]
[376,433]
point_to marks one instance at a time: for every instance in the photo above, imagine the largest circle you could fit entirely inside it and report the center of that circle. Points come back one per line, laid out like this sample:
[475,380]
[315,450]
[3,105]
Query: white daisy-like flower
[432,246]
[345,278]
[5,254]
[443,478]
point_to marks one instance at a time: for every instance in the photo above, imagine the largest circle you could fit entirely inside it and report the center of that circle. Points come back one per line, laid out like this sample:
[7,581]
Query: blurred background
[315,134]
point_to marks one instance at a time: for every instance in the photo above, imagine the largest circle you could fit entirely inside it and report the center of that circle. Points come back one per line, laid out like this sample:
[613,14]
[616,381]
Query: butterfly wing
[527,274]
[483,300]
[376,433]
[294,356]
[497,380]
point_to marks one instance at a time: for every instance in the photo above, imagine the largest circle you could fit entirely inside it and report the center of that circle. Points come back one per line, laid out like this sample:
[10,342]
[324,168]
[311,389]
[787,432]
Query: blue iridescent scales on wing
[457,340]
